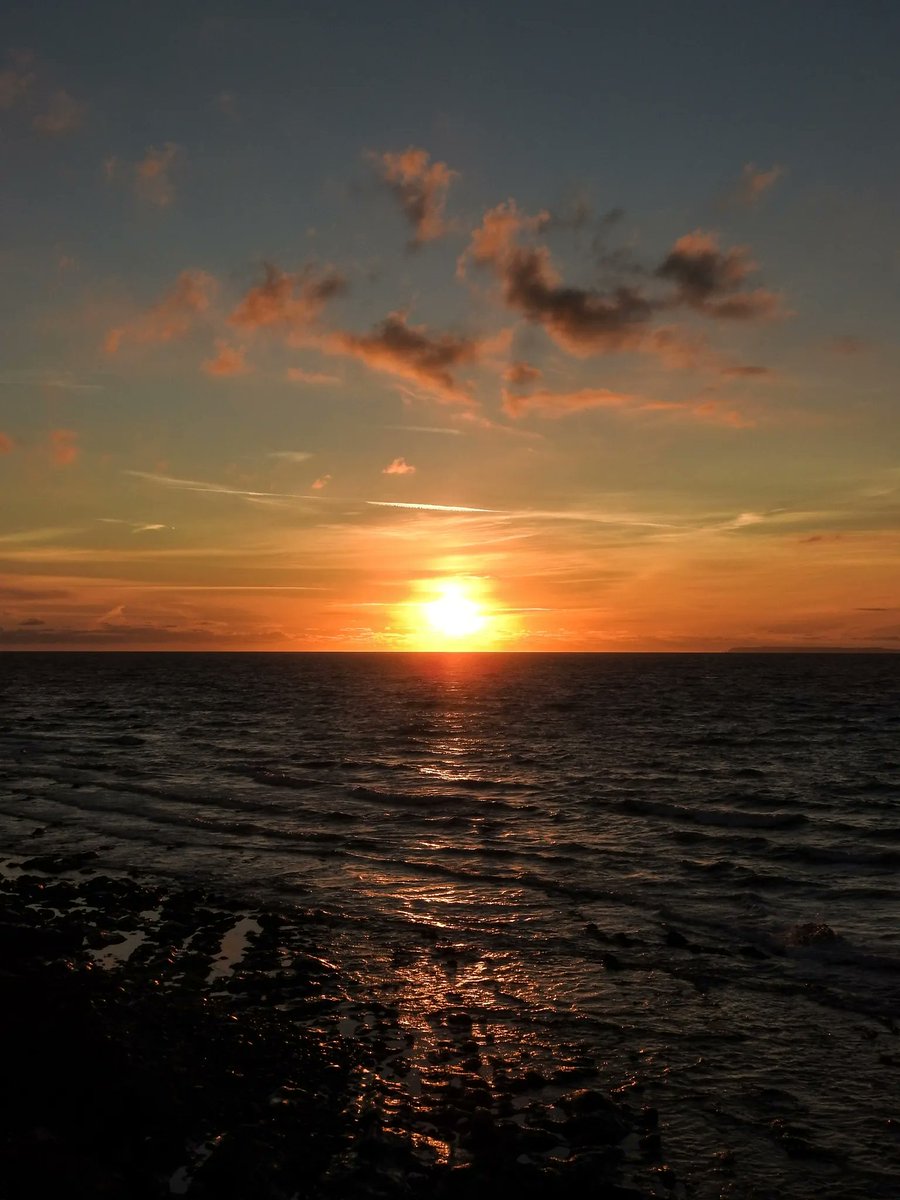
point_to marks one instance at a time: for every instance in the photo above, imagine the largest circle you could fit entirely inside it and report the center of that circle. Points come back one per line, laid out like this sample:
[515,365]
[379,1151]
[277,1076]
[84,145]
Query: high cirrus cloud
[171,318]
[420,187]
[288,303]
[414,353]
[710,279]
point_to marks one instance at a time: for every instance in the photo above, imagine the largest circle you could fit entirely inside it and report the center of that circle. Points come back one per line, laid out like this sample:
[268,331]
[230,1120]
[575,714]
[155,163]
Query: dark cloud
[582,320]
[710,279]
[414,353]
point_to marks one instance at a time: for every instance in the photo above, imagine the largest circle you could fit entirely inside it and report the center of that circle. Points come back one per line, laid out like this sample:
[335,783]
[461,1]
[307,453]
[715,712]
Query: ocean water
[683,869]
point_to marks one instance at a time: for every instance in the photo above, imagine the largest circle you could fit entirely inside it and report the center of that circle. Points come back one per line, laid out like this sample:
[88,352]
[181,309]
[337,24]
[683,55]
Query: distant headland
[813,650]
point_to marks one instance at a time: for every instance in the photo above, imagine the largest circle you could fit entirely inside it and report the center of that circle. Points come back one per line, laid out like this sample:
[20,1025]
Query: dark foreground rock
[158,1044]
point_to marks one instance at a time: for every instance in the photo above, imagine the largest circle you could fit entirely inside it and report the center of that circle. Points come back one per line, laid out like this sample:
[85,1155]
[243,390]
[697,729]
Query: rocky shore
[162,1042]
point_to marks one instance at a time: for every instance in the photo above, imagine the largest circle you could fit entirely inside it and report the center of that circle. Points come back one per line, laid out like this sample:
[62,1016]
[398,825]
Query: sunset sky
[313,311]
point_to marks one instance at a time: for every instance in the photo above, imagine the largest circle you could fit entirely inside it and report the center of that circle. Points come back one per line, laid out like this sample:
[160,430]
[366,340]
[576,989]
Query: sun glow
[454,614]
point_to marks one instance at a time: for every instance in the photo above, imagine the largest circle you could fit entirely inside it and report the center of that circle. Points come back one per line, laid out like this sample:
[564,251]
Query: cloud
[451,508]
[439,429]
[412,352]
[294,456]
[31,622]
[228,361]
[847,344]
[399,467]
[709,280]
[553,405]
[318,378]
[560,404]
[7,445]
[64,448]
[747,372]
[753,184]
[420,187]
[581,320]
[218,489]
[152,175]
[171,318]
[16,80]
[321,482]
[135,526]
[62,114]
[521,374]
[288,302]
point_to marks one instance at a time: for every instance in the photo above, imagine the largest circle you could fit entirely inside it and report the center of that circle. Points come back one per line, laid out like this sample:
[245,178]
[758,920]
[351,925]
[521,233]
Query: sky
[314,316]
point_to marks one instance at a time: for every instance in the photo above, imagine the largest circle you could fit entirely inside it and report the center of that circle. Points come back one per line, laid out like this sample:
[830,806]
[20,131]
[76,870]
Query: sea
[683,869]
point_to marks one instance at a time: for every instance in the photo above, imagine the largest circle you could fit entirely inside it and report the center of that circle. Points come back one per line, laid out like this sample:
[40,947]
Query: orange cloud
[298,375]
[420,187]
[170,319]
[414,353]
[229,361]
[521,374]
[7,445]
[754,183]
[554,405]
[152,175]
[321,482]
[288,302]
[64,449]
[399,467]
[546,403]
[709,279]
[63,114]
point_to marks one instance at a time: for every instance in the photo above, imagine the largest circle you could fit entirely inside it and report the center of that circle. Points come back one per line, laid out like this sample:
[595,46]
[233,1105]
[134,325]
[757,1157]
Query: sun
[454,614]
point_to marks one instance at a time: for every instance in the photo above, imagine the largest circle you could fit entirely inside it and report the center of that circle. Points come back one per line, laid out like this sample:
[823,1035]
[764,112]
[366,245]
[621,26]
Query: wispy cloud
[753,184]
[318,378]
[439,429]
[219,489]
[153,181]
[171,318]
[227,362]
[64,448]
[61,114]
[294,456]
[424,507]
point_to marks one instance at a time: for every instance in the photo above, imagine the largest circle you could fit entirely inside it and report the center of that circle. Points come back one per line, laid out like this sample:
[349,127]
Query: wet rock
[676,940]
[58,864]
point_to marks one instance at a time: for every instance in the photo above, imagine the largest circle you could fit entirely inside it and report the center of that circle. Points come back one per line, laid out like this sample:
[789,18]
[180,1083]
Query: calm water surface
[683,869]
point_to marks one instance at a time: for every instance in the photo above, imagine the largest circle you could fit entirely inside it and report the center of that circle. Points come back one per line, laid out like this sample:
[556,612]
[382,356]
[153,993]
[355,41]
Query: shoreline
[172,1042]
